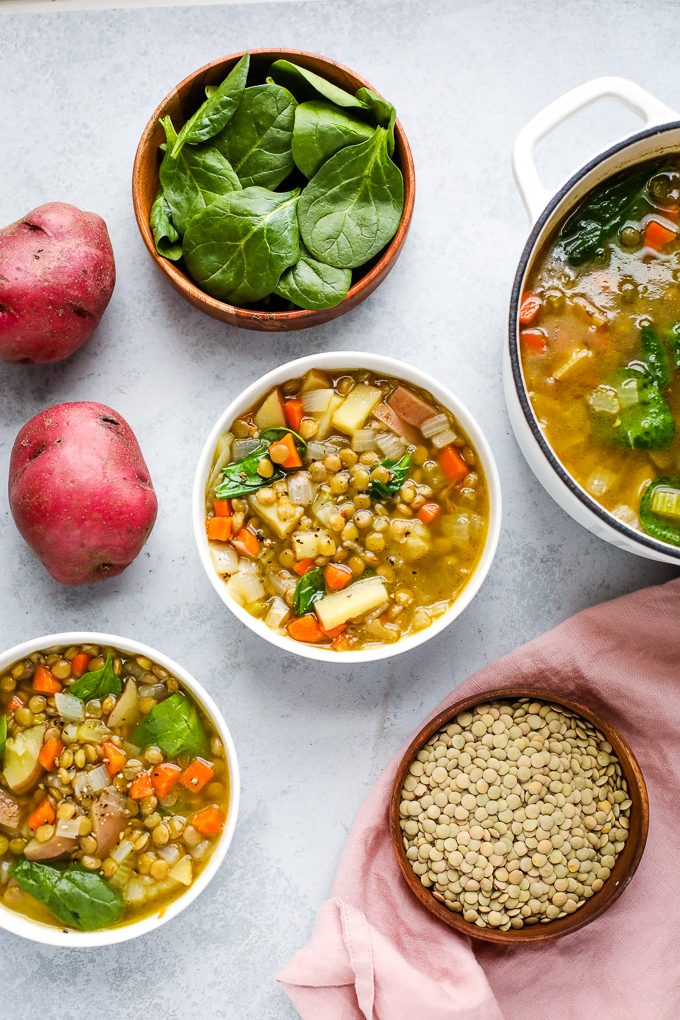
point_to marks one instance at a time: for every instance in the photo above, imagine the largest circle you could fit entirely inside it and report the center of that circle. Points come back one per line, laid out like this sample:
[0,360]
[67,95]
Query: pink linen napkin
[377,954]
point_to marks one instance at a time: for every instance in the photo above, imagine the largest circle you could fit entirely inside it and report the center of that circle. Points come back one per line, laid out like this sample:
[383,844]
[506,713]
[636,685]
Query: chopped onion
[69,734]
[120,852]
[88,783]
[391,445]
[280,580]
[245,588]
[600,481]
[69,828]
[314,401]
[434,425]
[444,438]
[242,447]
[318,451]
[625,514]
[300,487]
[456,527]
[477,526]
[278,613]
[363,440]
[170,853]
[224,559]
[69,708]
[199,851]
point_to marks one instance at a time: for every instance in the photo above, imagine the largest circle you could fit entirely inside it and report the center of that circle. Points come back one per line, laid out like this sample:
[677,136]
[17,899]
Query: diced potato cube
[324,417]
[577,360]
[271,414]
[359,598]
[182,871]
[270,517]
[224,558]
[315,380]
[305,545]
[357,407]
[410,407]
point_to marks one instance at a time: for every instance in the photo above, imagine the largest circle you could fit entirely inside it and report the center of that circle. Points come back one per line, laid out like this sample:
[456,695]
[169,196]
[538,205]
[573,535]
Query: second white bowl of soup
[348,505]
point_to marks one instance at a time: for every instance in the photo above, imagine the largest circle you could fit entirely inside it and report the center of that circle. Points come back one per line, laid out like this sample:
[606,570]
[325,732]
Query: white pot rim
[631,534]
[37,932]
[377,363]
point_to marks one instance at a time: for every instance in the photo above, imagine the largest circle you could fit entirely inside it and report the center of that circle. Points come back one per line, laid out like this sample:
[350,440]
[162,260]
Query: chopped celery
[660,509]
[666,502]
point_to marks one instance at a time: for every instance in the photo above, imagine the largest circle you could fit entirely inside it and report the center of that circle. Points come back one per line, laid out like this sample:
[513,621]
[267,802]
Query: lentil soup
[600,346]
[114,787]
[346,509]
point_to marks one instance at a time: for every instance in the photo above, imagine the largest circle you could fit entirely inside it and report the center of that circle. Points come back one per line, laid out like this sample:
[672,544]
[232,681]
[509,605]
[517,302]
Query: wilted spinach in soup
[114,787]
[600,346]
[346,509]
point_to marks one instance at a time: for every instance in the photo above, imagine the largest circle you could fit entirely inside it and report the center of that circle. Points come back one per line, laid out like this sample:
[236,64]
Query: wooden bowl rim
[621,873]
[186,285]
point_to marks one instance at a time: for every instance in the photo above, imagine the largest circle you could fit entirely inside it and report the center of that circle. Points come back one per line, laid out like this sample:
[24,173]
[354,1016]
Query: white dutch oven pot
[546,210]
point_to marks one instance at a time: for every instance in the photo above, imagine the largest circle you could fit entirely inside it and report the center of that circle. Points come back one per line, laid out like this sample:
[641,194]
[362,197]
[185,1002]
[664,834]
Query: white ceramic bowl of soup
[17,923]
[546,211]
[346,360]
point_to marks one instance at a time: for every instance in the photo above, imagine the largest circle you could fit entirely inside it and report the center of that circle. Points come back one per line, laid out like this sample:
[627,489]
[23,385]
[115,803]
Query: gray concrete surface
[75,93]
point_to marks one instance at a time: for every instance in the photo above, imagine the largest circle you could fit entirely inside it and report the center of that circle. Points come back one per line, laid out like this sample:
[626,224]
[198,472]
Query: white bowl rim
[18,924]
[387,366]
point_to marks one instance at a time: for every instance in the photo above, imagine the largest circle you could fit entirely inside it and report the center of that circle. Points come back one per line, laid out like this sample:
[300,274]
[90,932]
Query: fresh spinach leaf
[242,477]
[384,113]
[98,684]
[271,435]
[217,110]
[309,590]
[77,897]
[313,284]
[321,129]
[237,248]
[662,494]
[352,207]
[167,239]
[3,735]
[603,212]
[306,85]
[398,471]
[633,412]
[674,339]
[173,725]
[210,90]
[656,357]
[257,141]
[192,182]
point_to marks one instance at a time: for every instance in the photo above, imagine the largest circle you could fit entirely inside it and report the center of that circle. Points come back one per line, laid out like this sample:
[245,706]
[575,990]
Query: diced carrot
[529,308]
[306,628]
[141,786]
[44,814]
[533,341]
[222,507]
[164,777]
[293,460]
[49,753]
[657,237]
[337,576]
[44,682]
[79,664]
[219,529]
[114,758]
[293,409]
[341,643]
[208,821]
[452,464]
[16,703]
[246,542]
[303,567]
[197,775]
[335,631]
[428,512]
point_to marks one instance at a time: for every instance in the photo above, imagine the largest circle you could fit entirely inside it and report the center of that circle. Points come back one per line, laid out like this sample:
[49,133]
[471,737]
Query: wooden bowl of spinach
[274,189]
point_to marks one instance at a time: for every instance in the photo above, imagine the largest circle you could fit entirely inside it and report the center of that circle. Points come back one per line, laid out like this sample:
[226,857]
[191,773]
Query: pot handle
[637,99]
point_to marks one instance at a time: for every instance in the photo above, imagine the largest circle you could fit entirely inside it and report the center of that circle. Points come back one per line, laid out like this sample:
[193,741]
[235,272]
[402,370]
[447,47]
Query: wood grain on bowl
[626,861]
[179,105]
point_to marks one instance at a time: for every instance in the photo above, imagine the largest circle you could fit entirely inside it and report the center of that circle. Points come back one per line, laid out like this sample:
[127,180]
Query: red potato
[410,407]
[57,274]
[80,492]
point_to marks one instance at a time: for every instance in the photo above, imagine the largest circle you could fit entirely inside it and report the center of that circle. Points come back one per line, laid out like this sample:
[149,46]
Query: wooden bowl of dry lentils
[518,817]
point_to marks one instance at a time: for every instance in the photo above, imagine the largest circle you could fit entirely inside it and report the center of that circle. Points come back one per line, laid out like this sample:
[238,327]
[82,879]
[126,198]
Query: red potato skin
[80,492]
[57,275]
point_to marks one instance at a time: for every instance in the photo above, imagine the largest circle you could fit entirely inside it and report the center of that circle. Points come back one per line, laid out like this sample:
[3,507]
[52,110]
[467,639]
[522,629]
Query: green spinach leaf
[77,897]
[384,113]
[313,284]
[630,410]
[167,239]
[398,471]
[306,85]
[237,248]
[257,141]
[309,590]
[3,735]
[197,178]
[98,684]
[321,129]
[174,726]
[674,339]
[656,357]
[242,477]
[660,509]
[217,110]
[352,207]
